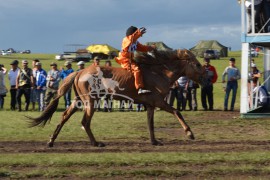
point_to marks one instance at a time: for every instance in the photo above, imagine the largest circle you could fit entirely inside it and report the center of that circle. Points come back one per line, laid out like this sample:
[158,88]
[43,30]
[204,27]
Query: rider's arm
[144,48]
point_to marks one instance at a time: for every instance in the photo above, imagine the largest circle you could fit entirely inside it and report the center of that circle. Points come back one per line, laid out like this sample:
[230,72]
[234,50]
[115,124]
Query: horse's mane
[163,57]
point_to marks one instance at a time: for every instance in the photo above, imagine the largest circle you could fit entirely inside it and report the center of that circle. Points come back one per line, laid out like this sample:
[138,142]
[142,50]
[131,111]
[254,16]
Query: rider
[126,56]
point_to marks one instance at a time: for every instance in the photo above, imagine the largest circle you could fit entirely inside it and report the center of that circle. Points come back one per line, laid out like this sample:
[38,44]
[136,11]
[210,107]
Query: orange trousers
[136,72]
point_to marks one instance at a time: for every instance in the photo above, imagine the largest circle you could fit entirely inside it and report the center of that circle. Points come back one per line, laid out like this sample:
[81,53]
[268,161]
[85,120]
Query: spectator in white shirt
[12,76]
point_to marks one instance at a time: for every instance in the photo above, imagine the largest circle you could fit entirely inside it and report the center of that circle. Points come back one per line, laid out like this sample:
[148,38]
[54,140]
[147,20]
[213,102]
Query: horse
[160,70]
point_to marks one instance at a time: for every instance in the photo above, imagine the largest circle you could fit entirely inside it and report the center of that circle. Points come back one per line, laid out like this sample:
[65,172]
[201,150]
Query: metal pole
[243,17]
[252,17]
[244,105]
[267,67]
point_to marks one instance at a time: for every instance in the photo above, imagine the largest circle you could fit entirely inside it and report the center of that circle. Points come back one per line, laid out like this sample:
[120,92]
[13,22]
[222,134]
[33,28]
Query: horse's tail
[48,112]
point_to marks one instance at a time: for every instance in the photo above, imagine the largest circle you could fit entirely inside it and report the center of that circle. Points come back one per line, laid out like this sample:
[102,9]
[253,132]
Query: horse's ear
[179,53]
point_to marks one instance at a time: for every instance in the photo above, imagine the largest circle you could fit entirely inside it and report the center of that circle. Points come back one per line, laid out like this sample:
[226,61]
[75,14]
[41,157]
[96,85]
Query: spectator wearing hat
[12,76]
[207,90]
[40,79]
[3,89]
[33,96]
[80,65]
[24,83]
[53,79]
[233,74]
[63,75]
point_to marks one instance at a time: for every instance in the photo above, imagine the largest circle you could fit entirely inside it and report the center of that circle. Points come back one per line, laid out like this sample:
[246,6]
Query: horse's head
[193,69]
[180,62]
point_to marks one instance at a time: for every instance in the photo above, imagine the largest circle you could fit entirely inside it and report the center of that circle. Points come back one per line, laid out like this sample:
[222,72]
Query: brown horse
[160,71]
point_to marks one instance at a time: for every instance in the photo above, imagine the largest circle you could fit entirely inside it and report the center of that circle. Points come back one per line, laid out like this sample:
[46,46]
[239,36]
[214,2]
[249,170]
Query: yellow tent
[102,48]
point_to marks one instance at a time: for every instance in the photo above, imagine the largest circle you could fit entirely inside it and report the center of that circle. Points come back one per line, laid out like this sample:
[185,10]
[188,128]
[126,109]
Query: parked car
[211,54]
[11,50]
[26,52]
[74,57]
[58,57]
[4,52]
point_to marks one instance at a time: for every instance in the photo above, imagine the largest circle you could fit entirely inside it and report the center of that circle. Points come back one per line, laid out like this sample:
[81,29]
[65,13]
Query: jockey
[126,56]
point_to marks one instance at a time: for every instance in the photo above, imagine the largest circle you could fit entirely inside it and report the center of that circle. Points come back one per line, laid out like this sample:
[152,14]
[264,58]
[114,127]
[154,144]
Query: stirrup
[143,91]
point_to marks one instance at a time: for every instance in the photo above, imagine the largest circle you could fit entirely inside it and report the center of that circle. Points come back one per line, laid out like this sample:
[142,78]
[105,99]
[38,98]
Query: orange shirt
[129,46]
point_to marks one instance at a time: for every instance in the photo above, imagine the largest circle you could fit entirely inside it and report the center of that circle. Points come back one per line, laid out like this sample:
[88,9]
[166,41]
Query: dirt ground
[142,145]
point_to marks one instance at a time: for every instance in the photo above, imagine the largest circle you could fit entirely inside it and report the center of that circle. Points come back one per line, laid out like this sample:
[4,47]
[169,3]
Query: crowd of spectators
[184,90]
[39,86]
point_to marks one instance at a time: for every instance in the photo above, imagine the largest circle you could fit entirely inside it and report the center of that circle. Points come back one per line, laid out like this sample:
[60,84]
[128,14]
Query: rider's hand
[143,30]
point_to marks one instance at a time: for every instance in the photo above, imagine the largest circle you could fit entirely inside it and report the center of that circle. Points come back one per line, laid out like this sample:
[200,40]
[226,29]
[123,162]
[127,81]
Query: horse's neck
[172,71]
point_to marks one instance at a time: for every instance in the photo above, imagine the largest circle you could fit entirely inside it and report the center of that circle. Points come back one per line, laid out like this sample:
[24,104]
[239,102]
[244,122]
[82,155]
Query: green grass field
[226,147]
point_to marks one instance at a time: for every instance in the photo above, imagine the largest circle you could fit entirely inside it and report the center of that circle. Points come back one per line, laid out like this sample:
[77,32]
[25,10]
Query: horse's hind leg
[65,116]
[86,121]
[180,118]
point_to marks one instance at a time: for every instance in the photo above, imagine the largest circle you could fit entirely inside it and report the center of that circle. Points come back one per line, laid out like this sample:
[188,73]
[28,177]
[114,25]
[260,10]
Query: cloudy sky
[46,26]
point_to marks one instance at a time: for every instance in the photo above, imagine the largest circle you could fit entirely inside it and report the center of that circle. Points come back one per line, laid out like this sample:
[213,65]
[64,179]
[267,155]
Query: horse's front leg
[180,118]
[150,119]
[187,129]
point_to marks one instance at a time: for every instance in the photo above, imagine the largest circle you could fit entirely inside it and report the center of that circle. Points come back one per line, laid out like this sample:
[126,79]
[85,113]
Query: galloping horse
[160,70]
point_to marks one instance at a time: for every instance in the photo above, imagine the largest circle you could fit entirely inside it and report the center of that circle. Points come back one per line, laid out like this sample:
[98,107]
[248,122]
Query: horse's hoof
[50,144]
[98,144]
[190,135]
[156,143]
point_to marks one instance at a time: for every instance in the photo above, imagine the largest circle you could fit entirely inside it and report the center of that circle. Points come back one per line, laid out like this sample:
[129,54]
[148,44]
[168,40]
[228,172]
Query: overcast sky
[46,26]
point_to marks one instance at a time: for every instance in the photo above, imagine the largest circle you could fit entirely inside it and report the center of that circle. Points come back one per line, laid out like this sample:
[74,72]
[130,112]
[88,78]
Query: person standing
[52,84]
[172,95]
[63,75]
[33,96]
[233,74]
[193,86]
[3,89]
[40,79]
[182,93]
[253,81]
[12,76]
[188,95]
[207,90]
[24,83]
[254,76]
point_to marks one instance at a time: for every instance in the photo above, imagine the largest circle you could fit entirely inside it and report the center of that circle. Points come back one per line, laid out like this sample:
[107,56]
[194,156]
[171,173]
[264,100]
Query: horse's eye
[198,65]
